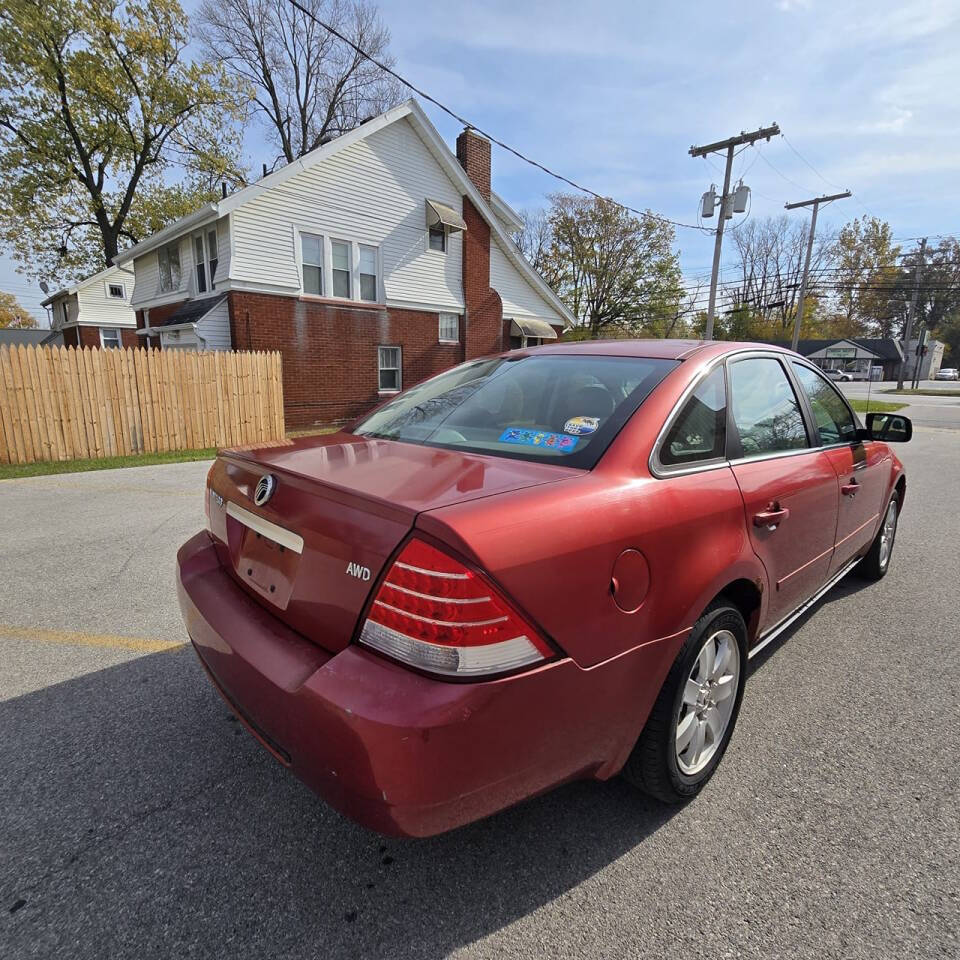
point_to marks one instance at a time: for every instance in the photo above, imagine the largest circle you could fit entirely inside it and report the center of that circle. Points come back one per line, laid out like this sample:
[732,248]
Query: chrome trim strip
[286,538]
[775,632]
[429,596]
[440,623]
[774,455]
[434,573]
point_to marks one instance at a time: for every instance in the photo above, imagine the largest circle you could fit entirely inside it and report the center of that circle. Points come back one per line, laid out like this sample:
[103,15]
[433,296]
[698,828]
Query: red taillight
[434,613]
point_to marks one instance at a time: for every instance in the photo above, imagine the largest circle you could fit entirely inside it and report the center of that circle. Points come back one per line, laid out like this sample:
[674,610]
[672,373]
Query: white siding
[373,191]
[56,310]
[223,249]
[97,307]
[147,276]
[214,328]
[519,297]
[178,340]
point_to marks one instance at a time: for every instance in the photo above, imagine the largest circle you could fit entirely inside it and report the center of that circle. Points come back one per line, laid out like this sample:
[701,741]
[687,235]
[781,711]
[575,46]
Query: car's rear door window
[699,431]
[547,407]
[835,422]
[766,411]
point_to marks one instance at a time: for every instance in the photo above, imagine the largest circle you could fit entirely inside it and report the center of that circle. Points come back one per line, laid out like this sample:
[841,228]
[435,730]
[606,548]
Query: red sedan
[535,567]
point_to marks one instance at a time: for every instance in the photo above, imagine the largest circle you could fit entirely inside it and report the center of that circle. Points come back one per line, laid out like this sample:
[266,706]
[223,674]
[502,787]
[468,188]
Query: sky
[613,95]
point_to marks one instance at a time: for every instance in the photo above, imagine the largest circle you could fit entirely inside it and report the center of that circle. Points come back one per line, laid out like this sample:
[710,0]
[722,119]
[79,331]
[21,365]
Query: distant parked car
[947,373]
[840,375]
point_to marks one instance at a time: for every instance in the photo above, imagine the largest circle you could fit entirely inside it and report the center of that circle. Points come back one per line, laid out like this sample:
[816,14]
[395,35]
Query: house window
[389,367]
[115,291]
[213,255]
[169,260]
[438,237]
[65,309]
[199,260]
[340,258]
[449,328]
[205,259]
[368,273]
[311,251]
[110,337]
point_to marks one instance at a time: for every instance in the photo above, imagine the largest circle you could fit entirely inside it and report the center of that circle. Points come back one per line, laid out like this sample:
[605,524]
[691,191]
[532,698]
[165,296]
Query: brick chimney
[473,152]
[483,317]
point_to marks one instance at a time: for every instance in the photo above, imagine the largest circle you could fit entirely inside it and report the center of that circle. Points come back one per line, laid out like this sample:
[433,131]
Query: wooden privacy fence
[61,403]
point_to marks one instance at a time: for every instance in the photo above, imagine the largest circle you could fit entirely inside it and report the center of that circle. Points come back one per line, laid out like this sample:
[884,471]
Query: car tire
[660,764]
[876,561]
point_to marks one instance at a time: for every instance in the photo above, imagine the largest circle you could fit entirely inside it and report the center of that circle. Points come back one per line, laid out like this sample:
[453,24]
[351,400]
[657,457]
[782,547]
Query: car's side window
[835,423]
[765,408]
[699,431]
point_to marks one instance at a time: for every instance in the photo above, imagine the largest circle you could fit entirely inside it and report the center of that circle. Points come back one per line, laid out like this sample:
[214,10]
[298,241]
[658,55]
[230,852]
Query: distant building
[930,362]
[96,312]
[871,358]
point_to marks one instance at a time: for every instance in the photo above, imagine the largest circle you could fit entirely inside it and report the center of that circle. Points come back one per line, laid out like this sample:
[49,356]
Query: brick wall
[157,316]
[330,351]
[473,152]
[90,337]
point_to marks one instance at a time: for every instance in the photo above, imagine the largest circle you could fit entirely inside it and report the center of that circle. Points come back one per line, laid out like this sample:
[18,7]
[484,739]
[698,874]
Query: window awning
[440,213]
[528,327]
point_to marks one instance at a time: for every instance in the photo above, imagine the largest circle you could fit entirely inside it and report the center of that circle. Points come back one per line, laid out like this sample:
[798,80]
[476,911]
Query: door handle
[772,517]
[850,489]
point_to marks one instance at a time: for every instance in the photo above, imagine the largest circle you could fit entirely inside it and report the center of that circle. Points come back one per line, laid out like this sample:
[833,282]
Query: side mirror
[889,427]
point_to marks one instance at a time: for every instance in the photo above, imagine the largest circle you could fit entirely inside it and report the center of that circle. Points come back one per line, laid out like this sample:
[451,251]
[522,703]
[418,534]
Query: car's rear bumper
[399,752]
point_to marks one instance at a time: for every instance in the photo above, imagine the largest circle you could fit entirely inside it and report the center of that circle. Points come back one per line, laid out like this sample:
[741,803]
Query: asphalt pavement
[137,819]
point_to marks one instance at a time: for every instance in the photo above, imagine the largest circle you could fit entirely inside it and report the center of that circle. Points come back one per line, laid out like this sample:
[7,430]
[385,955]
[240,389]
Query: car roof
[663,349]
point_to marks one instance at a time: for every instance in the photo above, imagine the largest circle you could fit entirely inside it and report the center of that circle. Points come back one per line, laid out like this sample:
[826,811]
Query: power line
[829,183]
[456,116]
[783,176]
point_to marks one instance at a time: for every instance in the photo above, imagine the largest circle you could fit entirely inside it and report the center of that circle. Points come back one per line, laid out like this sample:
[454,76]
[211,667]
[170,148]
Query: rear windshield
[545,408]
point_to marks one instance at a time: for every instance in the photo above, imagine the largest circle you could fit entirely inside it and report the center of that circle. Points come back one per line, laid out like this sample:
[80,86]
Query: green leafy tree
[865,278]
[618,273]
[12,314]
[107,128]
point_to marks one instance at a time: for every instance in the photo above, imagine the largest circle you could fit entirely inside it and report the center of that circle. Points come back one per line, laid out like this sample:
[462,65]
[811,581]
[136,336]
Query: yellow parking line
[74,638]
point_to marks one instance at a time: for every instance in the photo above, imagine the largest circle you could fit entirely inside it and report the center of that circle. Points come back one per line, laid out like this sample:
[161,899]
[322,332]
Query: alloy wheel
[707,701]
[887,534]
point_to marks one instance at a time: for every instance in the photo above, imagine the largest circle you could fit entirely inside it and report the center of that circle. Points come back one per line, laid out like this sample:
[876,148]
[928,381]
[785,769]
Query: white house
[96,312]
[375,261]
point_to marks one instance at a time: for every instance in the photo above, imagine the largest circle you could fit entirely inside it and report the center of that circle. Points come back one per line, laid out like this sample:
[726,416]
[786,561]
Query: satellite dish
[44,286]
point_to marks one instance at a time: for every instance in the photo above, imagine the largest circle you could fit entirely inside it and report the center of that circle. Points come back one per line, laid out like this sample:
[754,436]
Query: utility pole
[815,203]
[912,310]
[728,146]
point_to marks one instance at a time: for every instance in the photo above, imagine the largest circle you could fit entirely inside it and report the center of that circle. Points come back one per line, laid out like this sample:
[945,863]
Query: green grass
[873,406]
[10,471]
[925,392]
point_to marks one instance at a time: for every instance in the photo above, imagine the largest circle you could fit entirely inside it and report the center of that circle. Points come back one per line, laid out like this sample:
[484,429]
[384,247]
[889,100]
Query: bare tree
[771,254]
[305,83]
[535,238]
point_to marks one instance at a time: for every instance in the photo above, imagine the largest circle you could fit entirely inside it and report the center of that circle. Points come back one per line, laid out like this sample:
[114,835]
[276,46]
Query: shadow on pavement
[139,819]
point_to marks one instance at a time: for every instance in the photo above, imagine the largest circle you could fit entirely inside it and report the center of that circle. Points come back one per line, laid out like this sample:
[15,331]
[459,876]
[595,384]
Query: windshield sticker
[539,438]
[579,426]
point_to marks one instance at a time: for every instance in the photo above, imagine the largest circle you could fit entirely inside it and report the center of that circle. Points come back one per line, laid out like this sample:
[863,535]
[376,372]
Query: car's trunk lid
[341,506]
